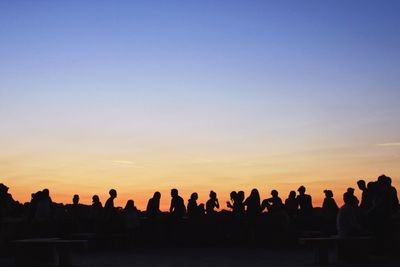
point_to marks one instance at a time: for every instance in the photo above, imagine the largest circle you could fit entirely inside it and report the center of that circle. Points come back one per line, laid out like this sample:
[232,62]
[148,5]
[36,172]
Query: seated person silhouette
[346,221]
[177,209]
[329,205]
[233,196]
[252,203]
[96,203]
[192,207]
[131,216]
[153,206]
[304,201]
[44,206]
[366,200]
[291,204]
[239,203]
[212,203]
[76,213]
[201,210]
[110,201]
[351,190]
[7,203]
[389,193]
[96,212]
[329,212]
[110,212]
[273,204]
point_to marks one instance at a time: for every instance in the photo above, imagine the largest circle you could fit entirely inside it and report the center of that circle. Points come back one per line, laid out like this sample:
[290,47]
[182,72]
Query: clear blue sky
[203,78]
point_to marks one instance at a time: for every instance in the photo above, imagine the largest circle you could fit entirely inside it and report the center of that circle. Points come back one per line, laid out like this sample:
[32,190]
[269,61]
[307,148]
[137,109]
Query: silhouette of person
[153,206]
[110,212]
[391,193]
[291,204]
[96,202]
[273,204]
[351,190]
[212,203]
[347,224]
[177,208]
[233,196]
[366,201]
[7,202]
[201,210]
[110,201]
[192,207]
[304,201]
[239,203]
[131,216]
[252,203]
[329,212]
[96,212]
[75,212]
[43,206]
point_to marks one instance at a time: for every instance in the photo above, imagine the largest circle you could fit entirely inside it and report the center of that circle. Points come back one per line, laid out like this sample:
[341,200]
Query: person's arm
[216,203]
[229,205]
[171,208]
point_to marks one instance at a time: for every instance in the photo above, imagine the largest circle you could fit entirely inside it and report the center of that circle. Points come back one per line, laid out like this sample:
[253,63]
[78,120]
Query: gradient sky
[198,95]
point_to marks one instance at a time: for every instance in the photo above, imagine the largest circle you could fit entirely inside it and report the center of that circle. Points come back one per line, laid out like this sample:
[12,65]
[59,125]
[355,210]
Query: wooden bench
[36,251]
[322,245]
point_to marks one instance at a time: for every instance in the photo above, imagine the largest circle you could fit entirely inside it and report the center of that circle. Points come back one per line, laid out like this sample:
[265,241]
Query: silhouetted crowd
[249,219]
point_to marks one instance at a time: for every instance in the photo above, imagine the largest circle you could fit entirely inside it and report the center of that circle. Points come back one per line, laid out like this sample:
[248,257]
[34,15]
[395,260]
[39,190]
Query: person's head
[95,199]
[113,193]
[350,190]
[233,195]
[361,185]
[255,194]
[385,181]
[3,189]
[46,192]
[75,199]
[174,192]
[240,196]
[157,195]
[348,199]
[328,193]
[292,194]
[130,204]
[213,195]
[274,193]
[194,196]
[301,190]
[201,207]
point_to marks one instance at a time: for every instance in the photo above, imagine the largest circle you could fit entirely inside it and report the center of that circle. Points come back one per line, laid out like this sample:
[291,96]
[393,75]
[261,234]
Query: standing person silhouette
[212,203]
[177,208]
[304,201]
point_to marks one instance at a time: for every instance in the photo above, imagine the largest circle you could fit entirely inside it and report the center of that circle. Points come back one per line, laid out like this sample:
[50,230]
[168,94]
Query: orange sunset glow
[219,97]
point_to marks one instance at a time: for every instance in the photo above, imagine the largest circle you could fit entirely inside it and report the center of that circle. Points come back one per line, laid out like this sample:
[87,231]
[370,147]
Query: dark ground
[181,257]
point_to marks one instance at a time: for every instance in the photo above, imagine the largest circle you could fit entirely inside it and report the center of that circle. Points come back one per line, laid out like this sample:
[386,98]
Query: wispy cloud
[390,144]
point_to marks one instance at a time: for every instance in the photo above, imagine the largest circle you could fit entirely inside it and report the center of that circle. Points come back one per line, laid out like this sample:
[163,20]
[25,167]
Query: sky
[145,96]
